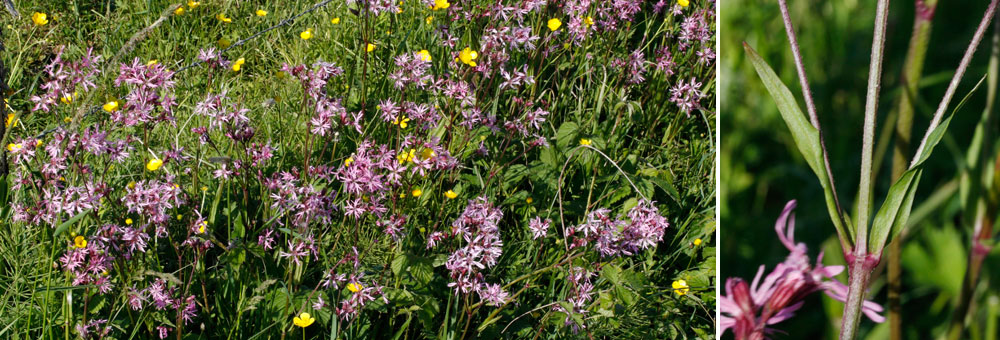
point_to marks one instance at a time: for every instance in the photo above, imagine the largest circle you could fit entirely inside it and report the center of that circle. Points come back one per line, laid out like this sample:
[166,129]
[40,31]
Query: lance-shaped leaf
[892,216]
[805,135]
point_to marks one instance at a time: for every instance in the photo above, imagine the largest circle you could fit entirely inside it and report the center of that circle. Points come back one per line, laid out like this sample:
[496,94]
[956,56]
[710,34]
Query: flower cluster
[66,79]
[477,226]
[750,310]
[88,263]
[151,85]
[641,229]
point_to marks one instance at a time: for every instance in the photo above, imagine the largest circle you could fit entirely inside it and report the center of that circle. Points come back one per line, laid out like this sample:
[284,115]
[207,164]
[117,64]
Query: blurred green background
[762,169]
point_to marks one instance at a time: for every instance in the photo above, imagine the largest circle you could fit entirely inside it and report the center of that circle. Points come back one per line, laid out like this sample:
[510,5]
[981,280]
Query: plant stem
[810,104]
[859,276]
[953,86]
[912,71]
[868,142]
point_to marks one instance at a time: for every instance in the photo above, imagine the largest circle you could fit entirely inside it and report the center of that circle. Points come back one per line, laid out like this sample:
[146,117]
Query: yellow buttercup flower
[192,4]
[14,147]
[401,122]
[335,21]
[67,119]
[261,13]
[224,43]
[201,227]
[588,21]
[354,287]
[238,64]
[80,242]
[441,4]
[348,161]
[554,24]
[425,55]
[429,20]
[468,56]
[307,34]
[680,287]
[128,221]
[68,98]
[10,120]
[152,62]
[416,192]
[131,185]
[528,200]
[584,141]
[111,106]
[179,10]
[370,47]
[40,19]
[303,320]
[38,142]
[450,194]
[683,3]
[222,17]
[154,164]
[697,242]
[427,153]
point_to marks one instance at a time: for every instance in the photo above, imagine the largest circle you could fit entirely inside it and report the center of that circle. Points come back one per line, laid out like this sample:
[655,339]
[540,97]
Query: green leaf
[895,211]
[805,135]
[566,134]
[65,225]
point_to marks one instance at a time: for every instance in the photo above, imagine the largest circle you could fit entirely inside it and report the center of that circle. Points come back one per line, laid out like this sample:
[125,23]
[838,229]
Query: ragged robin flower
[303,320]
[40,19]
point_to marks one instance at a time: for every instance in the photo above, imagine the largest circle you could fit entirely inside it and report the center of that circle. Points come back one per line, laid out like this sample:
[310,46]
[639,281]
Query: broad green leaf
[566,134]
[805,135]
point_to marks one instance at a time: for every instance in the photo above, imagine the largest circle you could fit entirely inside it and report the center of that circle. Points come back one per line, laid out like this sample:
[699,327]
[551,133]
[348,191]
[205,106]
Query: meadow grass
[576,200]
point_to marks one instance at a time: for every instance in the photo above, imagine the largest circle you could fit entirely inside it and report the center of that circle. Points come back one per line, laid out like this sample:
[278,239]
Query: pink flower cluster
[66,78]
[750,310]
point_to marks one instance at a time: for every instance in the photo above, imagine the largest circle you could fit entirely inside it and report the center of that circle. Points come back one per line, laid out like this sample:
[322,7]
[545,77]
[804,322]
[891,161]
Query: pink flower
[749,310]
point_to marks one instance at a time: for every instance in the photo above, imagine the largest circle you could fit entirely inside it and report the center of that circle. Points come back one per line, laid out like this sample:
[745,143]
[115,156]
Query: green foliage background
[761,168]
[669,156]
